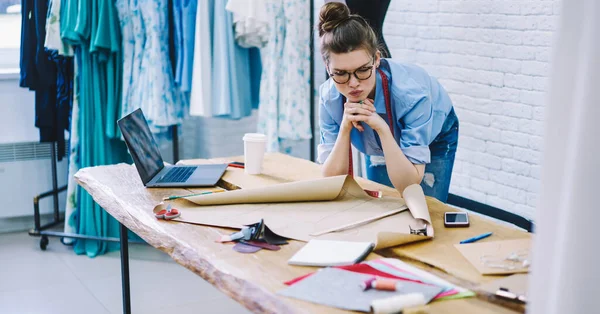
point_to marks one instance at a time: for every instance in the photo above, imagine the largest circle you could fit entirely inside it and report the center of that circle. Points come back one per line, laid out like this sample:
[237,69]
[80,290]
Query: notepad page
[331,253]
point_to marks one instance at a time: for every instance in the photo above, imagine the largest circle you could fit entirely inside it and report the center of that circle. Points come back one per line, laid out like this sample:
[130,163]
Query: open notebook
[325,253]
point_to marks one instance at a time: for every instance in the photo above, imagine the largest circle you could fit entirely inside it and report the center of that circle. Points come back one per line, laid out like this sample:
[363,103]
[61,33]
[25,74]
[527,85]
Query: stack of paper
[341,288]
[397,269]
[325,253]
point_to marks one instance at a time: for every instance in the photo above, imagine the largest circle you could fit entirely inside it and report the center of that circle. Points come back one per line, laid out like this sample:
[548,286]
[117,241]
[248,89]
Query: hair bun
[332,14]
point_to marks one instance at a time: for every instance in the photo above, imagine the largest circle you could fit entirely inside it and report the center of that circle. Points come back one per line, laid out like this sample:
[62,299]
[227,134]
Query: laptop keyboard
[177,174]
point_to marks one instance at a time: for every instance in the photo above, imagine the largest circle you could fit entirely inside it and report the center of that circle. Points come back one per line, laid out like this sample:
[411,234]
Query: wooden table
[254,279]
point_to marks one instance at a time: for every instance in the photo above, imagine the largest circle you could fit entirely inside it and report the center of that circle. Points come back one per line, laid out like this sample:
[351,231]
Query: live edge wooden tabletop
[254,279]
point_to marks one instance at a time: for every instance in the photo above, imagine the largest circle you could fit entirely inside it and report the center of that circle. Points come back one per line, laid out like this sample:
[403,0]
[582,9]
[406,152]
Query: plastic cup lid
[255,137]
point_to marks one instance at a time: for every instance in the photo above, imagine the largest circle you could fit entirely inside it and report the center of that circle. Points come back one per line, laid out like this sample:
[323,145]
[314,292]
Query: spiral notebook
[324,253]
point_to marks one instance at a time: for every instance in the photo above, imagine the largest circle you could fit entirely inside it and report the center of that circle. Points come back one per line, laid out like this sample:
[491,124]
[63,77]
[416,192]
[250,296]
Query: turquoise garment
[232,87]
[92,28]
[419,103]
[255,74]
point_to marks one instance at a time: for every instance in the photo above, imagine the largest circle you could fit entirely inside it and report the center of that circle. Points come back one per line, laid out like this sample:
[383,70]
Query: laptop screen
[141,144]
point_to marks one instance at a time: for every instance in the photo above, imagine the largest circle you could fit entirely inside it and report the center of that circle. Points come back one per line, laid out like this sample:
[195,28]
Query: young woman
[395,113]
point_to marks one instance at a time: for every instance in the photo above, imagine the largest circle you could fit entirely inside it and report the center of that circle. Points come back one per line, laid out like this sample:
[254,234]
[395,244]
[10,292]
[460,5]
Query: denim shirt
[419,108]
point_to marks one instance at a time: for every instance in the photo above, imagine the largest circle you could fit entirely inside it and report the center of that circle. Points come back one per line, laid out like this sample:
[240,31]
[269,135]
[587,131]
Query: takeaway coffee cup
[254,152]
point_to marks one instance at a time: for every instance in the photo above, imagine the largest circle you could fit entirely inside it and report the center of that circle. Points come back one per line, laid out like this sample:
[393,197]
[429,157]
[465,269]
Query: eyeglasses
[362,73]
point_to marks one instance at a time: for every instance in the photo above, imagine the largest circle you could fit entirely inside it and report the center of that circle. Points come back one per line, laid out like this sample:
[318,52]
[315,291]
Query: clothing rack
[42,231]
[38,229]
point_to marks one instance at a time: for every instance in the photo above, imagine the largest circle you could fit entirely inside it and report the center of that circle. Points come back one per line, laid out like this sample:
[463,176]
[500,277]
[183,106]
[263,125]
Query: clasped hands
[364,111]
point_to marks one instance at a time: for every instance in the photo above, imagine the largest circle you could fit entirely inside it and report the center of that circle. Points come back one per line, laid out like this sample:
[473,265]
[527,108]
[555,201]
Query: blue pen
[476,238]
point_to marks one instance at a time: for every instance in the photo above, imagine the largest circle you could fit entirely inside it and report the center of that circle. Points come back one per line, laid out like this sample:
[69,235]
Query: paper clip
[417,231]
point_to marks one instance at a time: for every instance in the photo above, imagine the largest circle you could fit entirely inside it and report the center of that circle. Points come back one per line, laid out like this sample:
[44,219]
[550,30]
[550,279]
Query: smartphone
[456,219]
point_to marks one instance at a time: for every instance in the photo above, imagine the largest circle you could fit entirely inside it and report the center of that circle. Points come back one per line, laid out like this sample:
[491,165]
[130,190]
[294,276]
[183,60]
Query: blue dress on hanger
[125,15]
[188,15]
[284,110]
[166,107]
[147,66]
[178,40]
[232,89]
[135,99]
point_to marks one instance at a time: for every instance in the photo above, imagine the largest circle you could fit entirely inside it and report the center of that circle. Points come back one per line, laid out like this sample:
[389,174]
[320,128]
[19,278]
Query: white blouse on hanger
[201,94]
[251,22]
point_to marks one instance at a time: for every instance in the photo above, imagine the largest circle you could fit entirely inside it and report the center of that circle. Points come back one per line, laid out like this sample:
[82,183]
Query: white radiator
[25,171]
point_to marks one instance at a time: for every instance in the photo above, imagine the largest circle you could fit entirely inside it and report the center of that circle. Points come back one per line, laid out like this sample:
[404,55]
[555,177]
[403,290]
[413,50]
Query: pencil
[170,198]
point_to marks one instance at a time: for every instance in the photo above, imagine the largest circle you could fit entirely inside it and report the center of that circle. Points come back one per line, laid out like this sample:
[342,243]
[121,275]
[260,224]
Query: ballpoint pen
[476,238]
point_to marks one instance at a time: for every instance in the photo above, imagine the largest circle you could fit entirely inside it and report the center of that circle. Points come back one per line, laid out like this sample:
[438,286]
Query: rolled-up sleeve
[416,134]
[329,131]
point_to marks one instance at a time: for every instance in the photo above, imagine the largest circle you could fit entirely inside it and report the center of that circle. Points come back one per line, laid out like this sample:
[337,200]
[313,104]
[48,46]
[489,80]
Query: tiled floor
[58,281]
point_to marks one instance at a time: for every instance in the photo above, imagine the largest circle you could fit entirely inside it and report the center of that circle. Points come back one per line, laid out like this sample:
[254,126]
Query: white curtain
[566,255]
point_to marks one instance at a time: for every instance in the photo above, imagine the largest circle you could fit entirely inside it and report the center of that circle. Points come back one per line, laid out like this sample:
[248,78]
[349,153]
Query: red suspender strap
[388,105]
[388,109]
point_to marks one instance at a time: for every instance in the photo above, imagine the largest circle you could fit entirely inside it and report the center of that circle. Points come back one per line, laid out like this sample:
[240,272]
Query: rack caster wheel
[44,243]
[63,240]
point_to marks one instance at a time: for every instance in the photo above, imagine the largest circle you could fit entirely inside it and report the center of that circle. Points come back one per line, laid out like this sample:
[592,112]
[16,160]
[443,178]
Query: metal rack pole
[125,269]
[54,156]
[175,131]
[312,81]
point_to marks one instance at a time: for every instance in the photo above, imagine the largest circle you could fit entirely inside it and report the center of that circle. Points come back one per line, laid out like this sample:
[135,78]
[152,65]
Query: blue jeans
[436,181]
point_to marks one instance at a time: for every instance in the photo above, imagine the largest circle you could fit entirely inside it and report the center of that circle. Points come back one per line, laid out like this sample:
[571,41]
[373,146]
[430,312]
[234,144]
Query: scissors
[168,214]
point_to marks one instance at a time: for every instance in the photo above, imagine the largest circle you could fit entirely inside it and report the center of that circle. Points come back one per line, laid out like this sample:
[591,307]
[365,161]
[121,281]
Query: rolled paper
[398,303]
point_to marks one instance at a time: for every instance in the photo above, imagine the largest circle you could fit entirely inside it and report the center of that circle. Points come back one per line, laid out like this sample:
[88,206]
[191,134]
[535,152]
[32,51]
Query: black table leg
[125,270]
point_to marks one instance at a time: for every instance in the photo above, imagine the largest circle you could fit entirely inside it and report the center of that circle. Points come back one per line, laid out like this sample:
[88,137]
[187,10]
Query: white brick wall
[493,58]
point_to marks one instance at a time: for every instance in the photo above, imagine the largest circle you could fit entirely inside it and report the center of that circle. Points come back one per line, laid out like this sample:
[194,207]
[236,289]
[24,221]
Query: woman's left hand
[375,121]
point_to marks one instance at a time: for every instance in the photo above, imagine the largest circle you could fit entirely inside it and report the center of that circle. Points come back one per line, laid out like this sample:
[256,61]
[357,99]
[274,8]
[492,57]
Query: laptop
[149,162]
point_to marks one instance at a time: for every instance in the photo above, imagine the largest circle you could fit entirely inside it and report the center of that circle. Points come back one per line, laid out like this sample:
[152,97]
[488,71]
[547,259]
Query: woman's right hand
[351,110]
